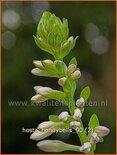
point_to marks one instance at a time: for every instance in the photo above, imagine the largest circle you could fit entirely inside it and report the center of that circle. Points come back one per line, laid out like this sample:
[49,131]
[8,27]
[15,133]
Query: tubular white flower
[38,135]
[80,102]
[45,91]
[94,138]
[45,125]
[51,146]
[71,68]
[38,98]
[76,74]
[63,116]
[39,72]
[45,129]
[102,131]
[36,88]
[86,147]
[38,64]
[75,124]
[48,61]
[56,146]
[77,114]
[62,81]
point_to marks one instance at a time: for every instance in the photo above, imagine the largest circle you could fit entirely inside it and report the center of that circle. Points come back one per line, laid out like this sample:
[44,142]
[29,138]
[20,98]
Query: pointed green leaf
[73,61]
[61,68]
[42,45]
[93,147]
[50,68]
[93,122]
[54,118]
[85,93]
[57,95]
[70,119]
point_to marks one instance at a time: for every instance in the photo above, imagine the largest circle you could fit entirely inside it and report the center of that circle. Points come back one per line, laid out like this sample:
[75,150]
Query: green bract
[52,36]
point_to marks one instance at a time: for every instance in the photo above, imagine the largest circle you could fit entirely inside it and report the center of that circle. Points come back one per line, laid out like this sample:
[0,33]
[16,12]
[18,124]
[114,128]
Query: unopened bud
[80,102]
[56,146]
[62,81]
[94,138]
[38,64]
[39,72]
[102,131]
[48,61]
[70,38]
[86,147]
[36,88]
[45,125]
[75,124]
[38,98]
[45,129]
[71,68]
[63,116]
[77,114]
[51,146]
[44,91]
[38,135]
[76,75]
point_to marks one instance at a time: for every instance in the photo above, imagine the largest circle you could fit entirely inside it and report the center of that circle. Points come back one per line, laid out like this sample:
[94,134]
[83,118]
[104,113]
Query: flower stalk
[53,37]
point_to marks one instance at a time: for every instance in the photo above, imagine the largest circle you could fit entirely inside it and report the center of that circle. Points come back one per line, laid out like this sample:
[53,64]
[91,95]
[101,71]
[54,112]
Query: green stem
[72,107]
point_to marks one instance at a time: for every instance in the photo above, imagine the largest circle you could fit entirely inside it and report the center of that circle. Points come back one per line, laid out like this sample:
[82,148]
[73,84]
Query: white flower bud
[63,116]
[71,68]
[94,138]
[38,64]
[48,61]
[70,38]
[39,72]
[102,131]
[75,124]
[80,102]
[76,75]
[38,135]
[45,129]
[45,125]
[86,147]
[62,81]
[44,91]
[77,114]
[36,88]
[38,98]
[56,146]
[51,146]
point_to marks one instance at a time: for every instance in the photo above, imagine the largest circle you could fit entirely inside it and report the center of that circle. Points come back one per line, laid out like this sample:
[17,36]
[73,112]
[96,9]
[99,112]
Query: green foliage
[26,51]
[93,122]
[85,93]
[54,118]
[73,61]
[52,36]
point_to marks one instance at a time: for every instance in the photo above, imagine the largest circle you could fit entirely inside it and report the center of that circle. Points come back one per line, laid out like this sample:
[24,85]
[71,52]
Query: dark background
[94,23]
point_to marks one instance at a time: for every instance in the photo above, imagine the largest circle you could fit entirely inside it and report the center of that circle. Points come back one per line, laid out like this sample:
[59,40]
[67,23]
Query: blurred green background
[94,23]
